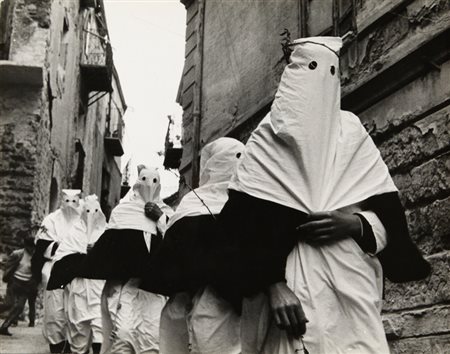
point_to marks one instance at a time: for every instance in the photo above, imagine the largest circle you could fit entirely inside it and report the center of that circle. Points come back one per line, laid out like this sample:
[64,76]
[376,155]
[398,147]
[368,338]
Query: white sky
[147,37]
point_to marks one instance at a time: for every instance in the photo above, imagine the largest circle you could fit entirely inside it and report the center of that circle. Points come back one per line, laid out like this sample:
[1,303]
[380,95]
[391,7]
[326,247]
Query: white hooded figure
[195,319]
[131,315]
[309,156]
[81,295]
[54,229]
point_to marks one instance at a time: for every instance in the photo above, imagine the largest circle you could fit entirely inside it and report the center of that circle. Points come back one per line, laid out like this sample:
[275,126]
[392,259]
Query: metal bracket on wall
[97,98]
[104,39]
[285,44]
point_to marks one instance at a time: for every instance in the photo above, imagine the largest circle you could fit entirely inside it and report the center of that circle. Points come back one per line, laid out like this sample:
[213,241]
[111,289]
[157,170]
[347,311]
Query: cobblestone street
[24,340]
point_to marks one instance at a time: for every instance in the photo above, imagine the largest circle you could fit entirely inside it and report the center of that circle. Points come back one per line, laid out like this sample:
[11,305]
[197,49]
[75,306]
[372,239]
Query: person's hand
[329,226]
[287,310]
[152,211]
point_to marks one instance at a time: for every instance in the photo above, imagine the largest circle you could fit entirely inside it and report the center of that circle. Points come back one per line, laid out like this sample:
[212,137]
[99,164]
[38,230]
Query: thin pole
[197,109]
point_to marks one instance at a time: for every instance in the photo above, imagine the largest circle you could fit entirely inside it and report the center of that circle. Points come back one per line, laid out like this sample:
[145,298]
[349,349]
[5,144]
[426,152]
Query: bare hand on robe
[287,310]
[152,211]
[326,227]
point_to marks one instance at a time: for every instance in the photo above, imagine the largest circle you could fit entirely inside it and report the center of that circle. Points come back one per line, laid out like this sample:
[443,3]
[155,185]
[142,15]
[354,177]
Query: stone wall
[38,135]
[395,71]
[49,120]
[19,125]
[416,148]
[238,74]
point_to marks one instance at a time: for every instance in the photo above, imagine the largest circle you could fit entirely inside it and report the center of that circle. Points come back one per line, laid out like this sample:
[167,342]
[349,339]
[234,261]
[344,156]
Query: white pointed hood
[218,163]
[87,230]
[56,224]
[306,153]
[130,214]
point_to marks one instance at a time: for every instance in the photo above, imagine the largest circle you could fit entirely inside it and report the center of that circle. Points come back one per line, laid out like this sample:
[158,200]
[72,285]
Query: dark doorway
[54,193]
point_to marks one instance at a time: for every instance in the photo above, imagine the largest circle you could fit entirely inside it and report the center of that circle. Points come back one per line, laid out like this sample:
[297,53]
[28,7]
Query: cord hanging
[183,181]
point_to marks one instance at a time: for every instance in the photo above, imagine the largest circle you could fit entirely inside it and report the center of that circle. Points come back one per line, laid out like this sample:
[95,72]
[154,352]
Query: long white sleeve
[378,229]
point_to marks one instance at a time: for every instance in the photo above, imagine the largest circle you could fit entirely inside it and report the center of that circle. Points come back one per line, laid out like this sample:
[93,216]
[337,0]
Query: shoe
[96,348]
[4,331]
[31,324]
[56,348]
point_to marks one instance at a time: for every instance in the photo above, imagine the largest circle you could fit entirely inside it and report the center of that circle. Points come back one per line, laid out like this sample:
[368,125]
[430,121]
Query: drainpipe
[197,99]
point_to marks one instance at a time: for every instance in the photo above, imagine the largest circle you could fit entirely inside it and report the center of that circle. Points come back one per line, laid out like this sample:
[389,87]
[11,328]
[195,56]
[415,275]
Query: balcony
[96,63]
[172,145]
[88,3]
[113,140]
[16,74]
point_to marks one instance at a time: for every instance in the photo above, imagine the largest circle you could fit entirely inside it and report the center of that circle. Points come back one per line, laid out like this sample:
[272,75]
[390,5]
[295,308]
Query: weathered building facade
[61,108]
[395,74]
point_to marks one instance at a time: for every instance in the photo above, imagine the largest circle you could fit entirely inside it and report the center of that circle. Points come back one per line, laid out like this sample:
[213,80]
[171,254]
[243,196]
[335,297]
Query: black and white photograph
[225,176]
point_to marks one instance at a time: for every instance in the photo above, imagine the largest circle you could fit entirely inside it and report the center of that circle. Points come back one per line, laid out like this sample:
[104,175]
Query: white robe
[206,323]
[55,227]
[131,316]
[309,155]
[82,296]
[340,288]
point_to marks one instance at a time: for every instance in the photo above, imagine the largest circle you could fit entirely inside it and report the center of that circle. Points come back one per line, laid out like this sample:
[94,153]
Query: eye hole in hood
[312,65]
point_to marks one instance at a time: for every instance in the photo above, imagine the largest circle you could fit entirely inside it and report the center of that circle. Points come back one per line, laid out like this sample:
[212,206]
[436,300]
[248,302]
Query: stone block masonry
[48,125]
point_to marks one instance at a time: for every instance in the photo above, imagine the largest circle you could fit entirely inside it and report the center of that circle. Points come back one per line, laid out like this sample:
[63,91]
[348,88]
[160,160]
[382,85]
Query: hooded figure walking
[130,315]
[195,319]
[81,295]
[54,229]
[313,221]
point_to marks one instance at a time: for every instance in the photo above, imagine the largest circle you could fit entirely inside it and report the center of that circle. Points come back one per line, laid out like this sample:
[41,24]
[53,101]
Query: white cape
[130,214]
[218,163]
[206,323]
[55,225]
[307,154]
[54,228]
[131,315]
[82,296]
[78,239]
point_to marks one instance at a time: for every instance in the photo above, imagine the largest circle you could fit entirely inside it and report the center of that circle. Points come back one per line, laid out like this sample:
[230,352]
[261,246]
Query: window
[64,45]
[104,196]
[346,17]
[54,194]
[328,17]
[6,16]
[78,163]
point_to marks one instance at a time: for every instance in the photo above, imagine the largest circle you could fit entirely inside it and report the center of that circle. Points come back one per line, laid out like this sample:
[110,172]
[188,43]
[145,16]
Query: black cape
[256,237]
[182,263]
[65,270]
[117,255]
[38,260]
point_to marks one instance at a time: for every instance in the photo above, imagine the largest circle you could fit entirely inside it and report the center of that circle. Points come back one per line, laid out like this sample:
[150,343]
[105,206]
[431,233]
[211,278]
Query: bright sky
[147,37]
